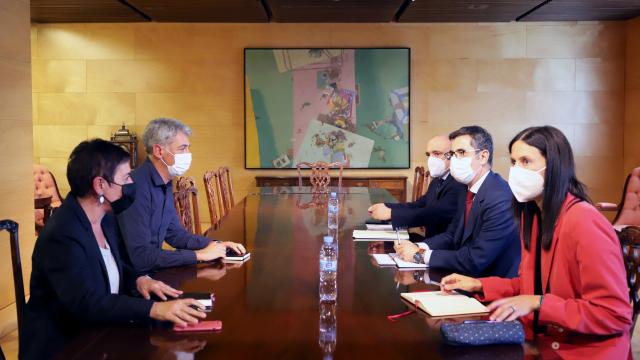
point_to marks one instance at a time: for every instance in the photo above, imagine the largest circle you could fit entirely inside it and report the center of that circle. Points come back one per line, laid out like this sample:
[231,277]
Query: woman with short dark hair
[78,274]
[571,286]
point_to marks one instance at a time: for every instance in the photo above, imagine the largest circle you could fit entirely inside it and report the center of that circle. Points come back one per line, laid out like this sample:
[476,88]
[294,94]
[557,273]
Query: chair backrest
[45,186]
[211,179]
[185,197]
[226,189]
[629,206]
[18,284]
[630,242]
[319,178]
[420,177]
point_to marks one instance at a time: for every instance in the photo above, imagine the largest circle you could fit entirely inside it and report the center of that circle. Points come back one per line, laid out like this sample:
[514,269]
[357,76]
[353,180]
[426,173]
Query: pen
[398,236]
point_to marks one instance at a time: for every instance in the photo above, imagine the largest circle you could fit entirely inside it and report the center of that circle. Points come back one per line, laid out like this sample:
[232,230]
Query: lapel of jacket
[441,185]
[474,213]
[89,240]
[547,260]
[110,231]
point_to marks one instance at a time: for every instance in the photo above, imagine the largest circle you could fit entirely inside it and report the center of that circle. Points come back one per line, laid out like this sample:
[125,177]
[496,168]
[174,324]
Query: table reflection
[270,305]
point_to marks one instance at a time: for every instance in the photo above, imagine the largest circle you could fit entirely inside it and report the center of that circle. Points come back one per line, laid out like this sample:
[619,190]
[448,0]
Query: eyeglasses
[460,153]
[438,154]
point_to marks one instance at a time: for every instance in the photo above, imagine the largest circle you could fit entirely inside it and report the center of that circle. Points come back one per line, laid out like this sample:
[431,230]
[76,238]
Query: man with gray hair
[152,218]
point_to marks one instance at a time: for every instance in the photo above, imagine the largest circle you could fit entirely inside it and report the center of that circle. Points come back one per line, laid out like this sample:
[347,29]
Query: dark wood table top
[269,306]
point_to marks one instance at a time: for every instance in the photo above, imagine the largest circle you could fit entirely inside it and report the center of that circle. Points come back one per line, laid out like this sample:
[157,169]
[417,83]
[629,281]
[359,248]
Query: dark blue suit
[489,244]
[69,283]
[434,210]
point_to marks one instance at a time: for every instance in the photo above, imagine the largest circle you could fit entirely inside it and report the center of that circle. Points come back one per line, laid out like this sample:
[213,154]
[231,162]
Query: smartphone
[206,299]
[207,325]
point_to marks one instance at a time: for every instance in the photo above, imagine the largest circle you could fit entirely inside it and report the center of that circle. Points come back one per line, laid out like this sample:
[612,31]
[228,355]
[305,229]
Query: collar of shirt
[474,189]
[155,175]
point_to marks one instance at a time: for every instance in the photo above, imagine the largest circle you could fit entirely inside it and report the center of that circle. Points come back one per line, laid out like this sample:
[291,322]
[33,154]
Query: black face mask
[127,199]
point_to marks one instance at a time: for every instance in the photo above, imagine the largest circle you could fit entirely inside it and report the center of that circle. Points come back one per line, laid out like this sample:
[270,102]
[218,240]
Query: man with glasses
[435,209]
[482,240]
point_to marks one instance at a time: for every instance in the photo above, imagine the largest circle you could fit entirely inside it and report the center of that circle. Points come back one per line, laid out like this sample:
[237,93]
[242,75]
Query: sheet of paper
[384,260]
[380,234]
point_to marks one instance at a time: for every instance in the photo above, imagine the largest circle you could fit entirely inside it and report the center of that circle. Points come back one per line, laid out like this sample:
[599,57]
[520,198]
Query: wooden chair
[628,210]
[630,242]
[420,182]
[185,197]
[18,284]
[211,179]
[320,179]
[226,190]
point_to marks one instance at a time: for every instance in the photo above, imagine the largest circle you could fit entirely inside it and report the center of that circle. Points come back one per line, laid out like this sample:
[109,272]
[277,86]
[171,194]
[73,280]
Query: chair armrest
[605,206]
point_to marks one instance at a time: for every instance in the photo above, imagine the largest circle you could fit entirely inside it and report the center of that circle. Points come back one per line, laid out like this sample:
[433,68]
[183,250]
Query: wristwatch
[418,257]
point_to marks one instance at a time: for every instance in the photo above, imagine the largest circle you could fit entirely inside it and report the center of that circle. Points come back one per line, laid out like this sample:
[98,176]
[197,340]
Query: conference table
[269,305]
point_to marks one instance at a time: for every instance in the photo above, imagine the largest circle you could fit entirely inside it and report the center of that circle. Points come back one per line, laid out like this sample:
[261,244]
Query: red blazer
[587,306]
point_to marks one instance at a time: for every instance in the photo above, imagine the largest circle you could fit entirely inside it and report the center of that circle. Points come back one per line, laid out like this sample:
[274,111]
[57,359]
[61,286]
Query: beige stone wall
[89,78]
[632,90]
[16,148]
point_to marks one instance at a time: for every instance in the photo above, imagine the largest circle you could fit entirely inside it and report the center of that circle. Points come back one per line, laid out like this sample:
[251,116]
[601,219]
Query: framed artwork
[347,105]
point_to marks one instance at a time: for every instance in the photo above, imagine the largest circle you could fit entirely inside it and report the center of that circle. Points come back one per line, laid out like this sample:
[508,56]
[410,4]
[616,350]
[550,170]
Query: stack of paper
[379,235]
[438,303]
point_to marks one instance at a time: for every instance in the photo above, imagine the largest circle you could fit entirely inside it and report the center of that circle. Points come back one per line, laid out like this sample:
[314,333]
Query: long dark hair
[559,178]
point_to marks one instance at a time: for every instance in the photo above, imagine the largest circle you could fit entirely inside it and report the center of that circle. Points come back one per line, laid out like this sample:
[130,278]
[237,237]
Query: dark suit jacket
[434,210]
[69,284]
[489,244]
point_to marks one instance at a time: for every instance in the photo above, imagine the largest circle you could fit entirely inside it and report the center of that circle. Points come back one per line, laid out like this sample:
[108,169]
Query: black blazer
[69,284]
[434,210]
[489,245]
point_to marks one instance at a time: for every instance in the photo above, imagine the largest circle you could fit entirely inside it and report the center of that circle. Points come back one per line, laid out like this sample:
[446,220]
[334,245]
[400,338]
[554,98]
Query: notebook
[377,235]
[438,303]
[393,260]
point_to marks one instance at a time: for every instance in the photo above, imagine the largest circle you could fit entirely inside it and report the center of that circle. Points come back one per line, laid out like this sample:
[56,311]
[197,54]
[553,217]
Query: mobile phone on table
[205,299]
[207,325]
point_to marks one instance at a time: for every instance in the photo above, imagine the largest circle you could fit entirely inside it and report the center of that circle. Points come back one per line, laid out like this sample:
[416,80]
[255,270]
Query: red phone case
[209,325]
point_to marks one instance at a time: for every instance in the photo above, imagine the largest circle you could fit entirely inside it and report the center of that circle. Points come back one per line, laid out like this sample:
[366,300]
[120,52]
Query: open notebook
[393,260]
[379,235]
[437,303]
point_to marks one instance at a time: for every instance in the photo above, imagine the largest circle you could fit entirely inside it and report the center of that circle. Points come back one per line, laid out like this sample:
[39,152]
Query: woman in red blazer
[571,293]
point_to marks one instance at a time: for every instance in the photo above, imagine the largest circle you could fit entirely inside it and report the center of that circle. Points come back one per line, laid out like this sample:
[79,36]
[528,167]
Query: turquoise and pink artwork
[347,105]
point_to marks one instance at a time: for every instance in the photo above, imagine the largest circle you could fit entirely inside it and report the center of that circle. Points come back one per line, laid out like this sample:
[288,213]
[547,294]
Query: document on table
[379,227]
[393,260]
[377,235]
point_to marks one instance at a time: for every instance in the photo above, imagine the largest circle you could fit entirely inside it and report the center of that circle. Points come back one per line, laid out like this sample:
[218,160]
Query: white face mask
[437,167]
[461,170]
[181,164]
[525,184]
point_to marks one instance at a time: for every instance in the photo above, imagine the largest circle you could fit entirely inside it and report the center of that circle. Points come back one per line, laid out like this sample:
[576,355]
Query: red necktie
[468,208]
